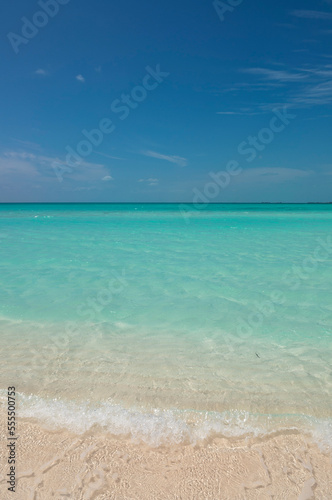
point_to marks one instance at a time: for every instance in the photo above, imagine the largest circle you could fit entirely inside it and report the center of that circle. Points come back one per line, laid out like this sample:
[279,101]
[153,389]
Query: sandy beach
[61,465]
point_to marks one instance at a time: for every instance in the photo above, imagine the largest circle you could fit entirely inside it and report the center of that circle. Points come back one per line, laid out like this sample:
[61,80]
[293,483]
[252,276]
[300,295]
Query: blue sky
[174,91]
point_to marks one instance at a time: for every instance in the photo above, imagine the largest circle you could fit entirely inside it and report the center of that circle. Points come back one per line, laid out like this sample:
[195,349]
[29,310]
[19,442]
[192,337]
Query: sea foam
[157,426]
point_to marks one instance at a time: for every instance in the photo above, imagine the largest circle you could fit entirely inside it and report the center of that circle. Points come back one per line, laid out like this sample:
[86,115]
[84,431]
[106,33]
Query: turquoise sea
[169,323]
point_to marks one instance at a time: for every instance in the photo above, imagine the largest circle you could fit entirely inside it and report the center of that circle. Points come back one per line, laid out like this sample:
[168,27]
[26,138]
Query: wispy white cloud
[80,78]
[278,75]
[16,167]
[178,160]
[41,72]
[324,70]
[109,156]
[26,163]
[266,85]
[22,155]
[27,144]
[312,14]
[85,172]
[243,112]
[315,94]
[107,178]
[229,113]
[150,181]
[307,86]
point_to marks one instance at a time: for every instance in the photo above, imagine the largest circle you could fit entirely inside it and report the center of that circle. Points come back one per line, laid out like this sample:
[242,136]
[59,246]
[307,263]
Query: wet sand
[95,466]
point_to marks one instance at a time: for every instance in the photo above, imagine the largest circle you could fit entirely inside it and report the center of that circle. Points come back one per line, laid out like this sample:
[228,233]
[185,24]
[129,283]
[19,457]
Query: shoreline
[95,465]
[156,426]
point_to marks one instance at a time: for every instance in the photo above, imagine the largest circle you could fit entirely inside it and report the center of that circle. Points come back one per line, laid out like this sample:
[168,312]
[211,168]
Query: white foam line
[156,427]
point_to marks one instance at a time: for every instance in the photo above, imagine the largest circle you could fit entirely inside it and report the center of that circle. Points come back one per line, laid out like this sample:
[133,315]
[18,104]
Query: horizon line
[164,203]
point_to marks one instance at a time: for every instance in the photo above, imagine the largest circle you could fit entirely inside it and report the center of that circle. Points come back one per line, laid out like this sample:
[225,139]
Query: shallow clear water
[169,322]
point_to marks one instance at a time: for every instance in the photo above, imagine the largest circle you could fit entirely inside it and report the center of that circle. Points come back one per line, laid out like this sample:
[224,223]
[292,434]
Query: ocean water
[169,323]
